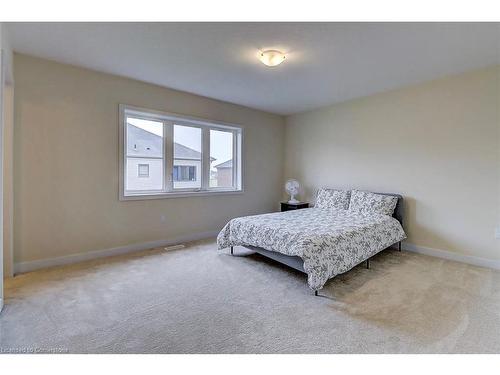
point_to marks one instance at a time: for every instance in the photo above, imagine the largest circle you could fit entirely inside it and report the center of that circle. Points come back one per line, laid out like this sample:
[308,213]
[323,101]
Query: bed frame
[297,263]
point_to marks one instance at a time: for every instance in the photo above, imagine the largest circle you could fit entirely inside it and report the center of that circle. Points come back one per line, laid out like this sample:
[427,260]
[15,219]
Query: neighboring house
[224,173]
[187,167]
[145,164]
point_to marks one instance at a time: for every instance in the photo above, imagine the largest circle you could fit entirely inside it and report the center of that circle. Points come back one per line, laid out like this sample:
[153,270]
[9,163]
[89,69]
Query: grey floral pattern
[365,202]
[329,241]
[331,198]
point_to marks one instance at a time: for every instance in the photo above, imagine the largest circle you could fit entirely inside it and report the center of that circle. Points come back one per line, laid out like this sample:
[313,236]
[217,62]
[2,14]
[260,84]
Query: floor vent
[174,247]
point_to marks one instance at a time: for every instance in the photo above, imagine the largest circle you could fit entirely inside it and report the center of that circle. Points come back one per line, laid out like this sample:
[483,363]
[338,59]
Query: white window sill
[178,194]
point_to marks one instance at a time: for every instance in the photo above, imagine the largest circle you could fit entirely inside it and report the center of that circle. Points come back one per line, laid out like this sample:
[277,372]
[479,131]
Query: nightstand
[285,206]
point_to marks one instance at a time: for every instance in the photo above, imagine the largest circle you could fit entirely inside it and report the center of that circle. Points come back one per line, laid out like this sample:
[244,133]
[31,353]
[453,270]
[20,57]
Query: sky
[221,143]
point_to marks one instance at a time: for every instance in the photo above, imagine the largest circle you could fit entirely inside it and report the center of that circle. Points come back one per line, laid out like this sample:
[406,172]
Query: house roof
[226,164]
[140,142]
[183,152]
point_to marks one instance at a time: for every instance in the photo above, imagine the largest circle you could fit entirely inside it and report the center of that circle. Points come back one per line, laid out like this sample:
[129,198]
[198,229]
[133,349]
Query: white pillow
[366,202]
[333,199]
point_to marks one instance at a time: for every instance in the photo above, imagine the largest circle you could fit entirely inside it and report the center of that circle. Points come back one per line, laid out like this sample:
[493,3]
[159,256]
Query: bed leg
[399,246]
[368,264]
[316,293]
[231,250]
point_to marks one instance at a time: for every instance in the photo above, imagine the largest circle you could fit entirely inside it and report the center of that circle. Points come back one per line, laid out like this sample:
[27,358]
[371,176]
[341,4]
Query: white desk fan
[292,187]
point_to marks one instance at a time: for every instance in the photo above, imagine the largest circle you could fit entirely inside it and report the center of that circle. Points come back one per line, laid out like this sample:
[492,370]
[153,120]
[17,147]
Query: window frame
[169,120]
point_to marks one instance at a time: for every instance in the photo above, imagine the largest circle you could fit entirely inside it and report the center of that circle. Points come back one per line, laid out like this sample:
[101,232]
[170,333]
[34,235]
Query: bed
[325,240]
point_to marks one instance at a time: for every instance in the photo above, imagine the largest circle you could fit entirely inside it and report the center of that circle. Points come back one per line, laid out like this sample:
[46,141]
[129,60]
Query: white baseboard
[444,254]
[80,257]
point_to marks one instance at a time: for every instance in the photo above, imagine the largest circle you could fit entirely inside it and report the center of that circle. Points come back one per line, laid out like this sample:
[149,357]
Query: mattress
[330,242]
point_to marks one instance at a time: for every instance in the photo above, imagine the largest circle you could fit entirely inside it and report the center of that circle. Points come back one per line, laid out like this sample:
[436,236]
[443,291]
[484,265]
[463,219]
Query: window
[168,155]
[221,159]
[144,155]
[187,156]
[143,170]
[184,173]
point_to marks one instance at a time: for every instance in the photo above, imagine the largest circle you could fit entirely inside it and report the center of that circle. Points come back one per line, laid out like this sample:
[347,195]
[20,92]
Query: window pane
[144,159]
[144,174]
[187,157]
[185,173]
[144,138]
[192,173]
[221,159]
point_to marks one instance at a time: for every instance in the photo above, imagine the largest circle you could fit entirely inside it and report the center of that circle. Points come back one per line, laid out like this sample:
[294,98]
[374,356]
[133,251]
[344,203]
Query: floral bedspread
[330,242]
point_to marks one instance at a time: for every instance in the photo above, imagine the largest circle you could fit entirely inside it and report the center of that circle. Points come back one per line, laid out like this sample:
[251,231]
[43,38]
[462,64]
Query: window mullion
[239,158]
[168,154]
[235,160]
[205,154]
[123,152]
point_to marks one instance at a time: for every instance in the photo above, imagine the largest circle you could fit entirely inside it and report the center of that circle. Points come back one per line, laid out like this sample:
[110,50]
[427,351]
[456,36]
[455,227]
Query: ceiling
[326,62]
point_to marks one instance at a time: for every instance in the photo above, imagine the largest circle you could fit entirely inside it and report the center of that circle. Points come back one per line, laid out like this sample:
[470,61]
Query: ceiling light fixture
[271,57]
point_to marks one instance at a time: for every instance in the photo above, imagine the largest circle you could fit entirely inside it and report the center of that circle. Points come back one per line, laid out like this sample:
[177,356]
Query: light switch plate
[497,232]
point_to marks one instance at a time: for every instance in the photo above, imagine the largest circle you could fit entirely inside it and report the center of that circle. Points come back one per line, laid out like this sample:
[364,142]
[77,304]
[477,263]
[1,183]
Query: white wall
[8,181]
[6,103]
[436,143]
[66,163]
[7,157]
[1,152]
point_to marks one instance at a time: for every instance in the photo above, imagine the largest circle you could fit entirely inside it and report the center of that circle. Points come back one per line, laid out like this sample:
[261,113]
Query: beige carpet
[197,300]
